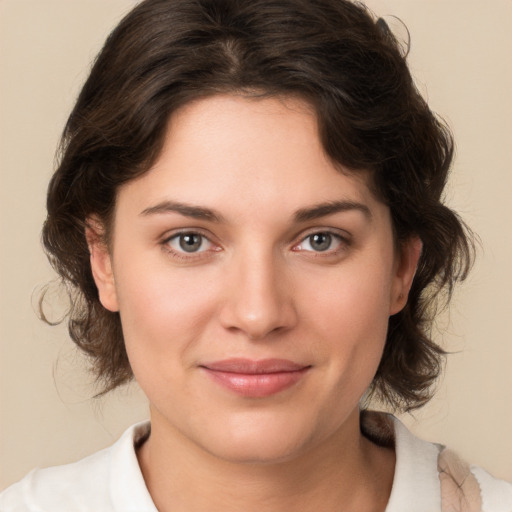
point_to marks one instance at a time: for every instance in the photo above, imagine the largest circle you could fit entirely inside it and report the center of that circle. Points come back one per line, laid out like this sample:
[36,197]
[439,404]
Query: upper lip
[254,367]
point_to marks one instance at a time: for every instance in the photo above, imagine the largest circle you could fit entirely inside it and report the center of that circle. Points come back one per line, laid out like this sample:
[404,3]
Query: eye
[189,243]
[321,241]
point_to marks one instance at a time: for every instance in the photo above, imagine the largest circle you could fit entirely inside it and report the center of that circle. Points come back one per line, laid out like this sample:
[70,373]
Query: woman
[247,209]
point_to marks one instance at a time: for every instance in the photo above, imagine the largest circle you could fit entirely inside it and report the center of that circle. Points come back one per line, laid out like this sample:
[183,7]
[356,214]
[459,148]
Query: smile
[255,379]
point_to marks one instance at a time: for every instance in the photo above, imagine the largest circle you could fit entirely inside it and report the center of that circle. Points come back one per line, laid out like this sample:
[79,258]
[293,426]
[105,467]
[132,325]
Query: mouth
[255,379]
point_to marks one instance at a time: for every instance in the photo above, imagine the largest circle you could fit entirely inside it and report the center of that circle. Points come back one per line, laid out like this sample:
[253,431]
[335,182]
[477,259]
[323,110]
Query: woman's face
[254,281]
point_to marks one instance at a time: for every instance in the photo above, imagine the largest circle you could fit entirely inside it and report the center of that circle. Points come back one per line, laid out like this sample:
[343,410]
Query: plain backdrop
[460,58]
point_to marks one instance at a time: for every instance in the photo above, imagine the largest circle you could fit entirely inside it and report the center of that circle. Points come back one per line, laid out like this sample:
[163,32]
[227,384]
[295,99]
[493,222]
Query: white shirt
[111,481]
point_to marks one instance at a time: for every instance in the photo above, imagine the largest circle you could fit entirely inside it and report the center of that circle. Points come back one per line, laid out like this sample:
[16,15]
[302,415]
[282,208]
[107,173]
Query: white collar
[415,481]
[125,472]
[416,477]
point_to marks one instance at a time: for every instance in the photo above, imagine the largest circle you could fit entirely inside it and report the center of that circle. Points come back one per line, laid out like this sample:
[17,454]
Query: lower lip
[256,385]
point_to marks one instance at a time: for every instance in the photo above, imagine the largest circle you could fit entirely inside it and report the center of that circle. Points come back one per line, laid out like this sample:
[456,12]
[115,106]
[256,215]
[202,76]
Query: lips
[256,379]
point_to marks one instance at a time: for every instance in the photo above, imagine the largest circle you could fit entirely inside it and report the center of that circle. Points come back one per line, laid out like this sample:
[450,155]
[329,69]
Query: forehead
[245,154]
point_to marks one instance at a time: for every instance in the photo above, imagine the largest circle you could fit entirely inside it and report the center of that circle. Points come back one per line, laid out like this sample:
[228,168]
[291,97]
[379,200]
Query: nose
[259,297]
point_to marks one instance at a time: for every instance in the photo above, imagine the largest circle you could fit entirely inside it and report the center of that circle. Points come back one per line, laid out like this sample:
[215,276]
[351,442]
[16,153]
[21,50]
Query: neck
[345,471]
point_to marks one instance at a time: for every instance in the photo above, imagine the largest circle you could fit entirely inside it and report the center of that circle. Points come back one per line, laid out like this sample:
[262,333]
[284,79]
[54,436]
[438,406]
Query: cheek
[163,313]
[349,299]
[348,319]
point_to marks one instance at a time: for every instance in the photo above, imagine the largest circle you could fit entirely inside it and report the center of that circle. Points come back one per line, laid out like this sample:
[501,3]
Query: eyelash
[182,254]
[343,243]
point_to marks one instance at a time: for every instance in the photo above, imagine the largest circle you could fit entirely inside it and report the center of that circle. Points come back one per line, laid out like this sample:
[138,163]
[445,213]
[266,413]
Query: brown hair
[331,53]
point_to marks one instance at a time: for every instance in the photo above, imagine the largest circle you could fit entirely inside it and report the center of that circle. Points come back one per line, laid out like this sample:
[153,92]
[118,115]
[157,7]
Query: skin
[256,288]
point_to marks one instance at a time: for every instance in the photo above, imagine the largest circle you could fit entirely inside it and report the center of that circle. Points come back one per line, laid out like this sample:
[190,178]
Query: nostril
[268,319]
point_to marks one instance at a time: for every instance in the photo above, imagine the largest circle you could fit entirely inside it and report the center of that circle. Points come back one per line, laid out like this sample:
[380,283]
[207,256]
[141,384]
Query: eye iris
[321,241]
[190,242]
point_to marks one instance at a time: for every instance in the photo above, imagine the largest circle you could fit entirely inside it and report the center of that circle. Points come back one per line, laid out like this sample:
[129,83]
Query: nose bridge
[259,300]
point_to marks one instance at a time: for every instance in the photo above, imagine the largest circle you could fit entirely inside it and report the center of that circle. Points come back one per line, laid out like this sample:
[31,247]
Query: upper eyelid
[340,233]
[342,242]
[295,240]
[165,242]
[185,256]
[186,231]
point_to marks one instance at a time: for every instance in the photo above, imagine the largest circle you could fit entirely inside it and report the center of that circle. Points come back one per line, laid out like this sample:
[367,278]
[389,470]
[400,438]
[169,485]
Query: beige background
[460,57]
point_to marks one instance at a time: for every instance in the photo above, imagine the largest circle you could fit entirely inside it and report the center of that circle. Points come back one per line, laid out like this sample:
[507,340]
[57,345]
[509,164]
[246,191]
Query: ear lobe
[408,257]
[101,264]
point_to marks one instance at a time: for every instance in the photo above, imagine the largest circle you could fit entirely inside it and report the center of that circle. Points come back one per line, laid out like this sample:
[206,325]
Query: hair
[333,54]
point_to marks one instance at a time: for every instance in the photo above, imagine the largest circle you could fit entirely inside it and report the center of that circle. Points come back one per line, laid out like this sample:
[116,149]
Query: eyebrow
[195,212]
[329,208]
[302,215]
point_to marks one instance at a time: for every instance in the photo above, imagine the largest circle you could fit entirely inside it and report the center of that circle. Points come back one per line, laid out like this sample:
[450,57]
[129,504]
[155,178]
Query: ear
[101,263]
[408,256]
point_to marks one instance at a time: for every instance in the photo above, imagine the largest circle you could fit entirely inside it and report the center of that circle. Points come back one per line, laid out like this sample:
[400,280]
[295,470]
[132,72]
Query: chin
[259,442]
[258,452]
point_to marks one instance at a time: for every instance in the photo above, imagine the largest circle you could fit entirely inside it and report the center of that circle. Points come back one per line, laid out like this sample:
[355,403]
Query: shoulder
[68,487]
[433,477]
[496,494]
[471,485]
[89,484]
